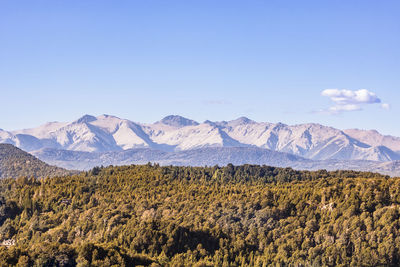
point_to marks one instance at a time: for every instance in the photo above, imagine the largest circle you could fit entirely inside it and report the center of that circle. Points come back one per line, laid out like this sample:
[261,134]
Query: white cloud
[343,97]
[348,100]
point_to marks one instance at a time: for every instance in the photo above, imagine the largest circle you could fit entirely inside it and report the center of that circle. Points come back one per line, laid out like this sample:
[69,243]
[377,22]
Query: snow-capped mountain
[374,138]
[107,133]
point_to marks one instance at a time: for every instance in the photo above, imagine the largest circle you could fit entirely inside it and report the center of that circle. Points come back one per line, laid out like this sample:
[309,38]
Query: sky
[331,62]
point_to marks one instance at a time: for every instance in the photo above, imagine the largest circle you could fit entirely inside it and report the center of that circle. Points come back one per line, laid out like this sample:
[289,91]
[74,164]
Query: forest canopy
[201,216]
[15,162]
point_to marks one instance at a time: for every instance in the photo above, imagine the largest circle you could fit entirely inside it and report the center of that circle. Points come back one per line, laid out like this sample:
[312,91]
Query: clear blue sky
[217,60]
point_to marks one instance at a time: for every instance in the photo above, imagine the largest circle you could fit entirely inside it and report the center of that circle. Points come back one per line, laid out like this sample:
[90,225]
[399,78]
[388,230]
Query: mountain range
[179,140]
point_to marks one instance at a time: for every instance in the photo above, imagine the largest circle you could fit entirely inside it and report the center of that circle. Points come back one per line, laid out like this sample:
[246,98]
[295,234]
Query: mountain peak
[178,121]
[209,122]
[86,118]
[106,116]
[241,120]
[109,133]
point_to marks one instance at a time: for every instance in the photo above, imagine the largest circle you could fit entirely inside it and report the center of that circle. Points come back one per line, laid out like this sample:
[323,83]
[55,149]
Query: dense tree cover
[214,216]
[15,162]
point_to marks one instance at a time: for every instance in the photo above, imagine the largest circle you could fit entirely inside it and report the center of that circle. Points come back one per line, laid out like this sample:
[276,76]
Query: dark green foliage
[192,216]
[17,163]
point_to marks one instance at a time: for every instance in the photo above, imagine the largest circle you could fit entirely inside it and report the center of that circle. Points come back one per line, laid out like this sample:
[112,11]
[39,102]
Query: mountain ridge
[16,163]
[107,133]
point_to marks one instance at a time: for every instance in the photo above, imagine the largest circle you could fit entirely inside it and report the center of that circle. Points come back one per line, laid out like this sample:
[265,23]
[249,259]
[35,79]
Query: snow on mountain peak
[241,121]
[110,133]
[374,138]
[106,116]
[178,121]
[86,119]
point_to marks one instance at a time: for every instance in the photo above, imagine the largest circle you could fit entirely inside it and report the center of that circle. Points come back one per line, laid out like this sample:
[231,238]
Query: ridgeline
[15,162]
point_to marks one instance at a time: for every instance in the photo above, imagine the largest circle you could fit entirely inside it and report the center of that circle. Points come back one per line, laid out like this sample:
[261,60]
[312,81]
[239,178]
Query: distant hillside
[211,156]
[197,157]
[16,163]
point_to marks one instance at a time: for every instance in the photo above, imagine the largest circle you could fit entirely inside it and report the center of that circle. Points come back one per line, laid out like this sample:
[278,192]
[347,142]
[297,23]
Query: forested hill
[15,162]
[193,216]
